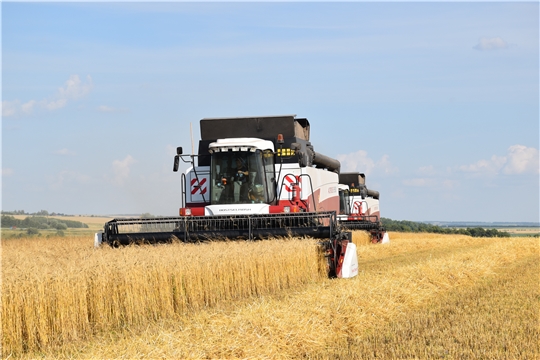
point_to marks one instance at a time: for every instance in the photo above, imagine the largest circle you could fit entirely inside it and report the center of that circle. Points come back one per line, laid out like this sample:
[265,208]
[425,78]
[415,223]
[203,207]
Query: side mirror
[176,162]
[179,150]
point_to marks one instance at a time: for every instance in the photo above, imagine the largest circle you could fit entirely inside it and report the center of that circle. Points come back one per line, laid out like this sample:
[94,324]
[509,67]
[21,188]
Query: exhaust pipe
[374,194]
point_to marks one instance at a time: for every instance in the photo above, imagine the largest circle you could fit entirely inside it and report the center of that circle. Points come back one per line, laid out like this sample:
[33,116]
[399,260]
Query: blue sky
[438,103]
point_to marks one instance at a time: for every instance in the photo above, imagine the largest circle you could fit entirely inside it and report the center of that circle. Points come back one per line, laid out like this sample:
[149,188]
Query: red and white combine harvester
[359,207]
[255,178]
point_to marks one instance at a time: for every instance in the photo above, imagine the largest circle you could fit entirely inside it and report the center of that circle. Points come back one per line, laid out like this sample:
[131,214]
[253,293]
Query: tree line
[40,222]
[411,226]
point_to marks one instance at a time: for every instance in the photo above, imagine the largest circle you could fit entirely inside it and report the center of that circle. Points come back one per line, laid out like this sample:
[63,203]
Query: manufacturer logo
[234,209]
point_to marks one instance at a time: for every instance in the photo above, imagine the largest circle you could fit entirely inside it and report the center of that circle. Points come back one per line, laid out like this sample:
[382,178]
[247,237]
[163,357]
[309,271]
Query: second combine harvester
[260,177]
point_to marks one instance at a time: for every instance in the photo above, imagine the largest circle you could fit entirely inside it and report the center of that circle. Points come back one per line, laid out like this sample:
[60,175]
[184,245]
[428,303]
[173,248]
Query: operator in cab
[242,177]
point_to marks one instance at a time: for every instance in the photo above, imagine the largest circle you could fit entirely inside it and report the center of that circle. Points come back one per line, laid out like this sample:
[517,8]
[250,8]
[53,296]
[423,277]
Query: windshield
[242,177]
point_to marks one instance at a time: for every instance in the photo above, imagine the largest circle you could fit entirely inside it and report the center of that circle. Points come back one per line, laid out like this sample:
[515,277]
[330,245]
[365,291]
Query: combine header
[359,207]
[252,178]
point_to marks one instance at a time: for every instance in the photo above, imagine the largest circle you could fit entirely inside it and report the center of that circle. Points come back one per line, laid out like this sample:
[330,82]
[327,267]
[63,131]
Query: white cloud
[67,176]
[54,104]
[357,161]
[28,107]
[121,169]
[361,162]
[519,159]
[105,108]
[7,172]
[9,108]
[427,170]
[522,159]
[491,166]
[450,184]
[491,44]
[64,151]
[418,182]
[386,166]
[73,89]
[428,176]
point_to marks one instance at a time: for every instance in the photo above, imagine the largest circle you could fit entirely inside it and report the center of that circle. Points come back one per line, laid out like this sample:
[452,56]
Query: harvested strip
[495,319]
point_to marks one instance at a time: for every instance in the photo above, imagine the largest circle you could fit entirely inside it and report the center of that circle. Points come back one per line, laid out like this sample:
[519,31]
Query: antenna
[191,133]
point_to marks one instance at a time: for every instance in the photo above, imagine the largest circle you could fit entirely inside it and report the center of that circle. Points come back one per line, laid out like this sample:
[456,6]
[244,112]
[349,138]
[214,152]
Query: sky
[437,103]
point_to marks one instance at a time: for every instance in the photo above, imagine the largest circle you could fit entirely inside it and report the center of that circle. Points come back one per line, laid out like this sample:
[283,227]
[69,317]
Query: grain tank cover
[262,127]
[357,184]
[358,179]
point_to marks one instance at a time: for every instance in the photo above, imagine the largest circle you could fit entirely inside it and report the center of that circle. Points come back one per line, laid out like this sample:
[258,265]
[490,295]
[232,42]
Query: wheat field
[422,296]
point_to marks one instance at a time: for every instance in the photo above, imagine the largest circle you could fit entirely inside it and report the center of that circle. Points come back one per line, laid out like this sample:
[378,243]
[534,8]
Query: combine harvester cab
[359,207]
[252,178]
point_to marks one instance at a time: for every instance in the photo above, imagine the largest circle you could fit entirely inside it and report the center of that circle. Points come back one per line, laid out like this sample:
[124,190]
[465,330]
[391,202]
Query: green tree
[9,221]
[60,226]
